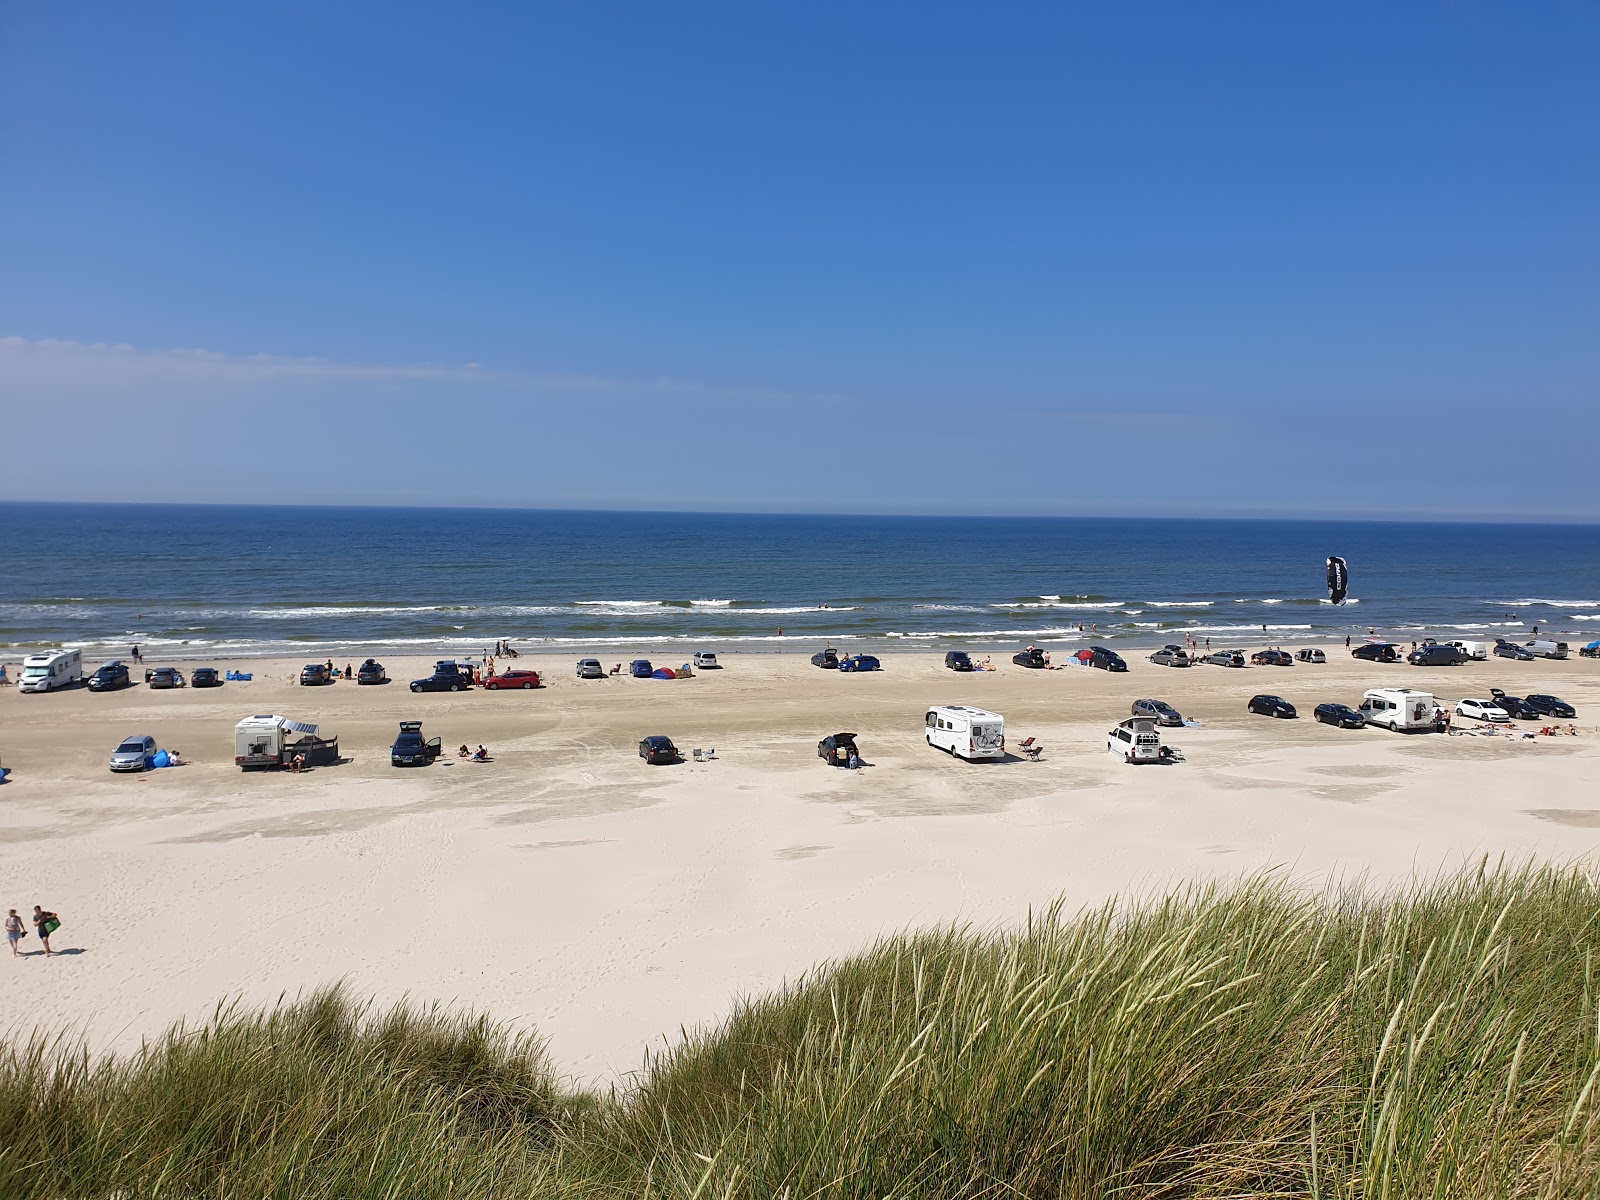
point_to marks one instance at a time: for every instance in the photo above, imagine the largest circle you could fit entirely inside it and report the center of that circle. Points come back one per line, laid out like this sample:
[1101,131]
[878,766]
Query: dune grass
[1251,1040]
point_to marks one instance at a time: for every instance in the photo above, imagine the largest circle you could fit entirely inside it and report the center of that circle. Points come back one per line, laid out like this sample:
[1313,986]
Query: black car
[1272,658]
[205,677]
[314,674]
[836,749]
[958,660]
[410,749]
[1271,706]
[1341,715]
[1226,658]
[1515,707]
[827,658]
[442,680]
[110,677]
[1033,658]
[1435,655]
[1163,712]
[1503,649]
[371,671]
[1106,659]
[658,750]
[164,677]
[1171,656]
[1552,706]
[1377,652]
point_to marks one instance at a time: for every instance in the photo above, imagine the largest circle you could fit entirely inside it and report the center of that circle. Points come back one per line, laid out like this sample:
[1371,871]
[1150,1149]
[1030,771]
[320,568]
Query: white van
[1547,648]
[966,732]
[1136,740]
[51,670]
[1400,710]
[1476,650]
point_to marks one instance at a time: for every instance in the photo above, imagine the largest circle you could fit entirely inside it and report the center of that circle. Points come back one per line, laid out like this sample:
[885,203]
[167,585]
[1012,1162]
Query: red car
[512,679]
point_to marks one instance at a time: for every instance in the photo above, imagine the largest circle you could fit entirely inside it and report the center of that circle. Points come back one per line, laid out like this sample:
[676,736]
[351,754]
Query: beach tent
[663,673]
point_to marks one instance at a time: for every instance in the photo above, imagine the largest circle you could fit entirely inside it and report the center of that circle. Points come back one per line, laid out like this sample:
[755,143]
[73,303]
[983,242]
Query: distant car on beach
[315,674]
[836,749]
[1106,659]
[203,677]
[1172,656]
[164,677]
[1481,710]
[410,749]
[1163,712]
[524,680]
[640,668]
[1311,656]
[658,750]
[1033,658]
[860,662]
[371,672]
[1515,707]
[827,658]
[1377,652]
[590,668]
[443,681]
[134,754]
[110,677]
[1552,706]
[1341,715]
[1271,706]
[1226,658]
[958,660]
[1511,650]
[705,660]
[1435,656]
[1272,658]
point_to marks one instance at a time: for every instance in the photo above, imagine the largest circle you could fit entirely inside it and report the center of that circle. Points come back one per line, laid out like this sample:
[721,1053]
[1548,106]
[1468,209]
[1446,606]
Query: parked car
[590,668]
[1106,659]
[371,672]
[827,658]
[134,754]
[836,749]
[443,681]
[860,662]
[1311,655]
[658,750]
[1515,707]
[313,674]
[705,660]
[1377,652]
[1226,658]
[165,677]
[640,668]
[1272,658]
[1481,710]
[1271,706]
[525,680]
[1436,655]
[1163,712]
[958,660]
[1033,658]
[110,677]
[1341,715]
[205,677]
[1551,706]
[1172,656]
[1505,649]
[410,749]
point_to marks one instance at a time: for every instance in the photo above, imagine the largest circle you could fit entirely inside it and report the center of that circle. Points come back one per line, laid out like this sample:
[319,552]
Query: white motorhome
[266,740]
[1547,648]
[966,732]
[1477,650]
[1136,740]
[51,670]
[1401,710]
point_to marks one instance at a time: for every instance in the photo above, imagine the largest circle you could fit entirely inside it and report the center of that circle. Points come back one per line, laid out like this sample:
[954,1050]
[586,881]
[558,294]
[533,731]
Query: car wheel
[527,687]
[493,687]
[930,739]
[455,687]
[416,687]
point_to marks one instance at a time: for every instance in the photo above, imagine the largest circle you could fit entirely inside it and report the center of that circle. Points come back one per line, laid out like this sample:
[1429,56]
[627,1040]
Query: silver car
[134,754]
[590,668]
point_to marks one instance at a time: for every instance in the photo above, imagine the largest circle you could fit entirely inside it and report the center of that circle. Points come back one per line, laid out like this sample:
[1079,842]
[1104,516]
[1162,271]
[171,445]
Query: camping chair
[1031,749]
[697,753]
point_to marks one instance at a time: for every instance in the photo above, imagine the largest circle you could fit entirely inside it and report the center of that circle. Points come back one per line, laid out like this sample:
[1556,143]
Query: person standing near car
[46,923]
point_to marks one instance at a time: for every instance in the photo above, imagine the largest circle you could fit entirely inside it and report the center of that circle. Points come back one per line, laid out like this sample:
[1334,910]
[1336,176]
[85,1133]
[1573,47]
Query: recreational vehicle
[1545,648]
[266,740]
[1402,710]
[50,671]
[1474,650]
[968,733]
[1136,740]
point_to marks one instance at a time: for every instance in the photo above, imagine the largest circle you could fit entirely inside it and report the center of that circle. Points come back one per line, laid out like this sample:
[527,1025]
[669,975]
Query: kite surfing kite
[1338,580]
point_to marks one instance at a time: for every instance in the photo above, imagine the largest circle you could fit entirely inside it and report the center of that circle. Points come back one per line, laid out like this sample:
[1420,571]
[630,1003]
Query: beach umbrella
[1084,655]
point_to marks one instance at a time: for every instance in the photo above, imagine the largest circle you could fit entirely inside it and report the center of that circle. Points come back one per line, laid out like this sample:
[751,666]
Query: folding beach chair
[697,757]
[1031,749]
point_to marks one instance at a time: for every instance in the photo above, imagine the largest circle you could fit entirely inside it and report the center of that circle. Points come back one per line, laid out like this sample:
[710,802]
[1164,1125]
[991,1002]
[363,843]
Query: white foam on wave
[1179,603]
[622,604]
[1235,628]
[710,603]
[1550,603]
[1095,604]
[313,611]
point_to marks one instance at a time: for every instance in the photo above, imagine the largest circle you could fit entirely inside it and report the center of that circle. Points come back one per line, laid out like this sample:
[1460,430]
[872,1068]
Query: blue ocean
[193,581]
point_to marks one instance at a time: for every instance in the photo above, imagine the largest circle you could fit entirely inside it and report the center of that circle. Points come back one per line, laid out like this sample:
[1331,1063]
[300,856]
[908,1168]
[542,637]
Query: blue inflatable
[160,759]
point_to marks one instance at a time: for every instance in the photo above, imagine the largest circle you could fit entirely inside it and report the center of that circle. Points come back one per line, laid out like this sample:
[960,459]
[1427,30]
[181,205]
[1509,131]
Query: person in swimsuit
[41,919]
[14,931]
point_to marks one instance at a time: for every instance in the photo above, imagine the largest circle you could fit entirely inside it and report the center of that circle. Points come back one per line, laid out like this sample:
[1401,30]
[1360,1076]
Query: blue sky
[1242,259]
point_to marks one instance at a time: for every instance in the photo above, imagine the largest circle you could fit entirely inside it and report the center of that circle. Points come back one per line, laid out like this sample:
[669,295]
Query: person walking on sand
[46,923]
[14,931]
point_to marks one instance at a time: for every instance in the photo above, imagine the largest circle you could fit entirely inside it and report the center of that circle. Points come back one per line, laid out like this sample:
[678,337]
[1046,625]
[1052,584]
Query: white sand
[569,887]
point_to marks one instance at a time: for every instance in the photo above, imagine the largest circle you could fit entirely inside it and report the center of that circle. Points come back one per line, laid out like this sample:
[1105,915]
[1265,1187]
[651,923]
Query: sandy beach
[567,886]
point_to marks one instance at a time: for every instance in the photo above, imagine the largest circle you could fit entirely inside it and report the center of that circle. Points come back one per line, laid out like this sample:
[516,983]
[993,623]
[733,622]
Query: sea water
[192,581]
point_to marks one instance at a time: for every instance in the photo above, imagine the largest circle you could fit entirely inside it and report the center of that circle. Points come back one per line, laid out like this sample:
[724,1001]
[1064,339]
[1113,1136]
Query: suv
[1106,659]
[1171,656]
[640,668]
[590,668]
[1033,658]
[1435,656]
[958,660]
[1226,658]
[371,671]
[314,673]
[446,677]
[1311,656]
[1272,658]
[110,677]
[1163,712]
[410,749]
[836,749]
[1377,652]
[705,660]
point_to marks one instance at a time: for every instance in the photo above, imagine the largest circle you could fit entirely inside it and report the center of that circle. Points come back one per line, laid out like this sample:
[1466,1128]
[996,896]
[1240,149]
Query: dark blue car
[640,668]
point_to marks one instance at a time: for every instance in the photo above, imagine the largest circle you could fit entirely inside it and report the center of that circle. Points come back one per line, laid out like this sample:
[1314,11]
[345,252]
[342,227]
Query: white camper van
[51,670]
[266,740]
[1136,740]
[967,732]
[1547,648]
[1473,650]
[1401,710]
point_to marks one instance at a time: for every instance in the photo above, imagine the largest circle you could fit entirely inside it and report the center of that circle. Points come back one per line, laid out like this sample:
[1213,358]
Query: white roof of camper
[276,722]
[972,714]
